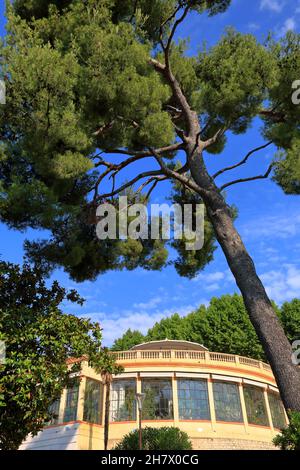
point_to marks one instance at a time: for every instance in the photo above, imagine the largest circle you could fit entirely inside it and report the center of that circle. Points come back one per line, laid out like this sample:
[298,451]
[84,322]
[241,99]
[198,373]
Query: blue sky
[269,221]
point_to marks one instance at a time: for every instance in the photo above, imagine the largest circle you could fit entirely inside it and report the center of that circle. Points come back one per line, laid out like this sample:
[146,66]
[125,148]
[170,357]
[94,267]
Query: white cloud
[254,26]
[273,5]
[275,227]
[289,25]
[140,320]
[150,304]
[211,281]
[210,277]
[284,284]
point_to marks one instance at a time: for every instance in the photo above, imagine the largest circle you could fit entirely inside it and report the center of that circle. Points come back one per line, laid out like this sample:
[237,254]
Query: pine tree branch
[146,153]
[191,116]
[171,36]
[220,132]
[178,175]
[131,183]
[242,162]
[114,168]
[156,179]
[245,180]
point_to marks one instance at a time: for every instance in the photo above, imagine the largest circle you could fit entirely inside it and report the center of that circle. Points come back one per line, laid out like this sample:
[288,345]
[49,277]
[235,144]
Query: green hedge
[166,438]
[289,439]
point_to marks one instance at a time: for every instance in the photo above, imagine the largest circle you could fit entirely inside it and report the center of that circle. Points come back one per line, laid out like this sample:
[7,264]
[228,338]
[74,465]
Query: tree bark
[262,315]
[106,417]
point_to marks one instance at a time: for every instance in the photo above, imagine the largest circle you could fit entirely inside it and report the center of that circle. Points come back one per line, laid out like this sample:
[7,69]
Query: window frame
[278,399]
[195,411]
[238,405]
[54,407]
[88,411]
[164,413]
[71,392]
[130,417]
[253,420]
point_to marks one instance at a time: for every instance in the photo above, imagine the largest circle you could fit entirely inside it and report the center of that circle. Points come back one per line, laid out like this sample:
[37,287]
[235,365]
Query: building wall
[209,434]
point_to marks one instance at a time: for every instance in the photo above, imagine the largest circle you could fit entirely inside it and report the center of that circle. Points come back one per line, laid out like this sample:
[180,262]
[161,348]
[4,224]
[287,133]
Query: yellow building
[222,401]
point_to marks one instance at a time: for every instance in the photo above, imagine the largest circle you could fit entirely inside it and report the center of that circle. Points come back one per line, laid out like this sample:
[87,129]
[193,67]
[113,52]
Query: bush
[289,439]
[166,438]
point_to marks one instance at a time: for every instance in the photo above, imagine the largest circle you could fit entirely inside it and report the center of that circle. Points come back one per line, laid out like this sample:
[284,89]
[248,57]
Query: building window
[255,405]
[122,400]
[92,411]
[54,412]
[193,399]
[158,403]
[70,413]
[277,411]
[227,402]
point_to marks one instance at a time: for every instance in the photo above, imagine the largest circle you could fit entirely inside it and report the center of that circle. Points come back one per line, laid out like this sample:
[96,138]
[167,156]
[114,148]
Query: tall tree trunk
[262,315]
[106,417]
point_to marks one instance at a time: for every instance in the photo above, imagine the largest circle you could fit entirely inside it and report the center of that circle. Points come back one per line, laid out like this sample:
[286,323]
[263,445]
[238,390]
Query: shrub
[289,438]
[166,438]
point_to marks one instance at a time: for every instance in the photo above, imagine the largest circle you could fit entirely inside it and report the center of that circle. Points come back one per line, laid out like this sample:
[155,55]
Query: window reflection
[277,411]
[158,403]
[255,405]
[227,402]
[122,401]
[70,413]
[54,412]
[193,399]
[92,402]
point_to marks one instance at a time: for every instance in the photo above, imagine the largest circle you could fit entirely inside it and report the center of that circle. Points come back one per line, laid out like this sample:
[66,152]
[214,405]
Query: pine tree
[91,81]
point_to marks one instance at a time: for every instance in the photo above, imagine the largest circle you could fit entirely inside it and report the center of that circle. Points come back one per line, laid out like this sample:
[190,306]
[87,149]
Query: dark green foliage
[170,328]
[78,81]
[282,126]
[287,169]
[165,438]
[226,327]
[289,439]
[39,338]
[290,319]
[223,326]
[189,263]
[128,340]
[228,93]
[34,9]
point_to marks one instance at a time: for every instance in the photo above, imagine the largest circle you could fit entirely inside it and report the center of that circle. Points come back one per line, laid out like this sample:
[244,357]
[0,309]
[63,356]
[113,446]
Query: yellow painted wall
[204,434]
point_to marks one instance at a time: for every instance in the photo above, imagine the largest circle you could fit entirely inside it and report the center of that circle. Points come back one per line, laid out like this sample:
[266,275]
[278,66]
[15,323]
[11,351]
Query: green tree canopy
[39,338]
[171,328]
[290,318]
[223,326]
[95,87]
[129,339]
[78,79]
[289,438]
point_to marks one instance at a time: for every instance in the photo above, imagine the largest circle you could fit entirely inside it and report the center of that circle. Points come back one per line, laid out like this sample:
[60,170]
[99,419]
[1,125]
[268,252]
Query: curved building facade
[222,401]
